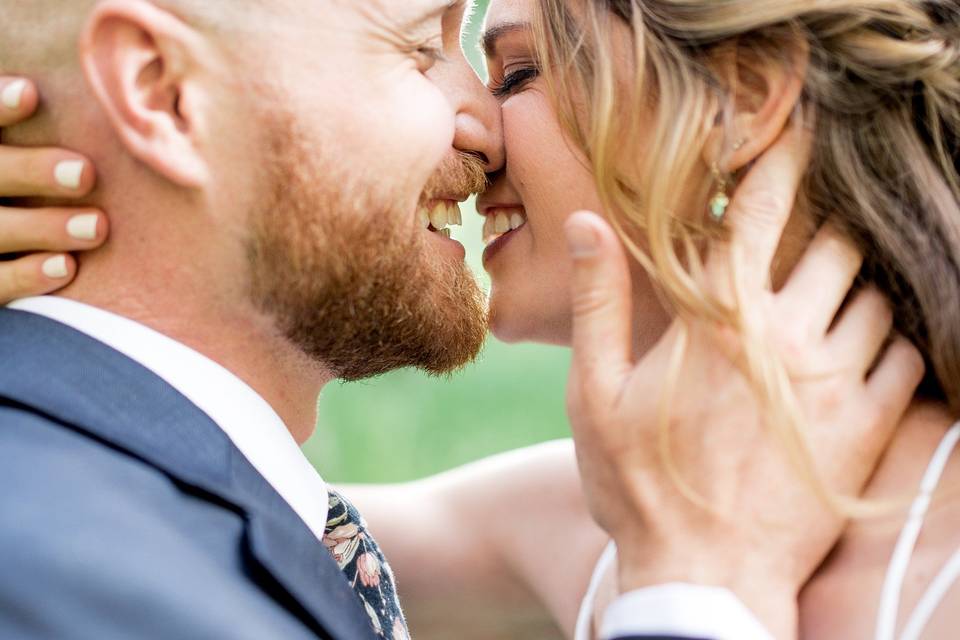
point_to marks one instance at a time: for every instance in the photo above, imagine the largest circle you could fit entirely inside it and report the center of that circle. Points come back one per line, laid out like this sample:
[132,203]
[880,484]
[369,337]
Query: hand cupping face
[682,460]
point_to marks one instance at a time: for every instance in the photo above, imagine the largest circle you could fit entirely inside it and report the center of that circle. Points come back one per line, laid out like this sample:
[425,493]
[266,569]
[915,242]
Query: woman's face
[545,180]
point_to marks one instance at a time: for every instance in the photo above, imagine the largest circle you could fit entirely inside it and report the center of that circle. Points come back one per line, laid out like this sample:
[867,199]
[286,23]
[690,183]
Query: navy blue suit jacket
[125,512]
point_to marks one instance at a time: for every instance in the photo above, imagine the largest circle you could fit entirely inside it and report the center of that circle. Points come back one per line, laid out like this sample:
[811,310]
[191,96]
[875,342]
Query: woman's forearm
[503,547]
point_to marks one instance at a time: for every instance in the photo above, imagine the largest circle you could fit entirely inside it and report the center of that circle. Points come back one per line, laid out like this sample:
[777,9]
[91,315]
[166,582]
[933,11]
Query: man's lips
[436,216]
[439,214]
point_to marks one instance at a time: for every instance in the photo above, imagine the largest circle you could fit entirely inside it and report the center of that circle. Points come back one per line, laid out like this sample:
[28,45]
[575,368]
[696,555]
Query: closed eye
[428,53]
[514,81]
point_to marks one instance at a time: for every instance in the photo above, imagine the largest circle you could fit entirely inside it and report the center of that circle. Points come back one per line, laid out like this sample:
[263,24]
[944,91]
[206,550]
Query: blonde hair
[883,91]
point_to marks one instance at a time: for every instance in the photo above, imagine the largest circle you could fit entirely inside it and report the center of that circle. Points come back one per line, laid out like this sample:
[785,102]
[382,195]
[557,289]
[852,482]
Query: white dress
[888,610]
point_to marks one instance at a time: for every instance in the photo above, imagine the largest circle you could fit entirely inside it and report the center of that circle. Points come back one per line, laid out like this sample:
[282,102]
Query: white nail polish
[56,267]
[83,227]
[13,93]
[68,173]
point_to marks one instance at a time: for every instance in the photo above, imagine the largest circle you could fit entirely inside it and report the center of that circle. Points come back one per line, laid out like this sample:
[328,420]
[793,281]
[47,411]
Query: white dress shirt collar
[250,423]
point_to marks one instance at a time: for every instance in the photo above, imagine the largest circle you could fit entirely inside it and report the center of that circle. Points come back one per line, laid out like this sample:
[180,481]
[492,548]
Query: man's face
[356,141]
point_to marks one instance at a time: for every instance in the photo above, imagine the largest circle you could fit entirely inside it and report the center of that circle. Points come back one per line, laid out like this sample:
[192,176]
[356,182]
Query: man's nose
[479,128]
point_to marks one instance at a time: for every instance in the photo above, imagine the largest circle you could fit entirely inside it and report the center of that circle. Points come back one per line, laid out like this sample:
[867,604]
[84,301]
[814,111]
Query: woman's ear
[763,89]
[142,65]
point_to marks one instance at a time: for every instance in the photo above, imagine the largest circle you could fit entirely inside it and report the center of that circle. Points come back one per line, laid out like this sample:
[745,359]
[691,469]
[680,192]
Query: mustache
[460,176]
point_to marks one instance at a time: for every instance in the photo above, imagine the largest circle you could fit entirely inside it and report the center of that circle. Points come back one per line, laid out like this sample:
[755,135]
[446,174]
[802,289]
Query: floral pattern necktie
[346,537]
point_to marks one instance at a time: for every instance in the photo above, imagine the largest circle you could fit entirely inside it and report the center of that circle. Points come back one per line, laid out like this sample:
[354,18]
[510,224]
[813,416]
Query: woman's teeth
[440,215]
[500,221]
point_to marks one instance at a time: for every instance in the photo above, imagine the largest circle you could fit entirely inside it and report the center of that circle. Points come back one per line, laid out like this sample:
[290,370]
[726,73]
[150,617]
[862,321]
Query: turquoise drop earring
[720,201]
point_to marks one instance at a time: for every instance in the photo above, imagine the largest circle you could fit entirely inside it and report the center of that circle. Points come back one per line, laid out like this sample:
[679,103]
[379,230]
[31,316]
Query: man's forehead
[410,13]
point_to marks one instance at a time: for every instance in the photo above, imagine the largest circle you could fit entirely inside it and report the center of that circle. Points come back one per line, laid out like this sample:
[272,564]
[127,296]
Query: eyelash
[514,82]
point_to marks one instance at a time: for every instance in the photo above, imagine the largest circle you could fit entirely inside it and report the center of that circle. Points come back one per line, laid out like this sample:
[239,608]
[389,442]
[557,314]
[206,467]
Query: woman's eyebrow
[490,37]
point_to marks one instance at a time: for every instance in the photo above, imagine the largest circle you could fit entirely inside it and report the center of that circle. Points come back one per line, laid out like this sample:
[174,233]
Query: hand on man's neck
[168,265]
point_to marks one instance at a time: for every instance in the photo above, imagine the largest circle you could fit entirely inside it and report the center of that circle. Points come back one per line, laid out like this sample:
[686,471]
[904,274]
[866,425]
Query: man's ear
[142,64]
[762,91]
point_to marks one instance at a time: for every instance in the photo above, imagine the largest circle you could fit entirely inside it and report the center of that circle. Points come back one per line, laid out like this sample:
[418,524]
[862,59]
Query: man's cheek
[427,120]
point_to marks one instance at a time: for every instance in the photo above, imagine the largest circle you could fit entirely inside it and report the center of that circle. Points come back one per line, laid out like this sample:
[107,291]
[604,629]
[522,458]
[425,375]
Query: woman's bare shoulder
[842,598]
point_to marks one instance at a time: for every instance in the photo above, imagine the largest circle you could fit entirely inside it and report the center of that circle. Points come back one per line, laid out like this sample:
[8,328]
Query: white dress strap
[932,598]
[907,541]
[584,628]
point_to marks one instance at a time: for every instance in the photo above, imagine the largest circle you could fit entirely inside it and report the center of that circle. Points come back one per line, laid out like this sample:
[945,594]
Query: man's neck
[243,341]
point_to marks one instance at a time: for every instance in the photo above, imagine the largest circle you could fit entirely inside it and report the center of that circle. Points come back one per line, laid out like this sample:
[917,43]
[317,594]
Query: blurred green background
[405,425]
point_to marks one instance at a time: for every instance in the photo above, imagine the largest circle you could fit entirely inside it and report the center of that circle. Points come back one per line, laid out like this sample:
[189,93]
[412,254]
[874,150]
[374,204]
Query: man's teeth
[442,214]
[438,216]
[499,223]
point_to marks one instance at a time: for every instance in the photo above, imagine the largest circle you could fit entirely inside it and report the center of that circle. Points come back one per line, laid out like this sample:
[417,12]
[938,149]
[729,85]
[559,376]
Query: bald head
[41,37]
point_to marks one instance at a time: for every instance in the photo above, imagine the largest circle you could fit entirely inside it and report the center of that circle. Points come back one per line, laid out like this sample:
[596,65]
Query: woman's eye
[514,81]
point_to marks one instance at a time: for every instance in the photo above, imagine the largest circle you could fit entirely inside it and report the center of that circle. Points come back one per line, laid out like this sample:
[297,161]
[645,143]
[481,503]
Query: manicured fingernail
[56,267]
[83,227]
[13,93]
[69,173]
[582,239]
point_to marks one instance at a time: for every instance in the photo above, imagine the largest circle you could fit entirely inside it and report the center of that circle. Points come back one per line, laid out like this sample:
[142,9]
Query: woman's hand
[768,529]
[36,242]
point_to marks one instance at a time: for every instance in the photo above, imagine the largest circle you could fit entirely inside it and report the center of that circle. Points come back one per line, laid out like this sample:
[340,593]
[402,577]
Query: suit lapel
[294,557]
[87,386]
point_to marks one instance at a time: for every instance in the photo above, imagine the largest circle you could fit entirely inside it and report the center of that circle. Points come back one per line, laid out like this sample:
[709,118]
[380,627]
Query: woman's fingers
[862,329]
[34,275]
[890,390]
[44,172]
[37,172]
[41,173]
[51,229]
[18,100]
[602,306]
[821,280]
[894,381]
[759,212]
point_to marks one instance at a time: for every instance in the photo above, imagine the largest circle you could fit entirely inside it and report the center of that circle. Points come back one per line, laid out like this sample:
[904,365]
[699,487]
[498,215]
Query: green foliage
[405,425]
[471,34]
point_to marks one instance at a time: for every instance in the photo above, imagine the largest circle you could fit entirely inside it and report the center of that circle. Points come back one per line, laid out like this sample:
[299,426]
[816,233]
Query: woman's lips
[496,247]
[500,226]
[502,219]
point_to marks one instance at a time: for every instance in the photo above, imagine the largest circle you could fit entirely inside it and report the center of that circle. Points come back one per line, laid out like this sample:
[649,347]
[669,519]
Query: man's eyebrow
[437,10]
[490,37]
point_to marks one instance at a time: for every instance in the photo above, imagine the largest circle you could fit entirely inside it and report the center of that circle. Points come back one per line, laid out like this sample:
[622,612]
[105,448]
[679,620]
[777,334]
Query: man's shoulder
[46,451]
[53,473]
[122,548]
